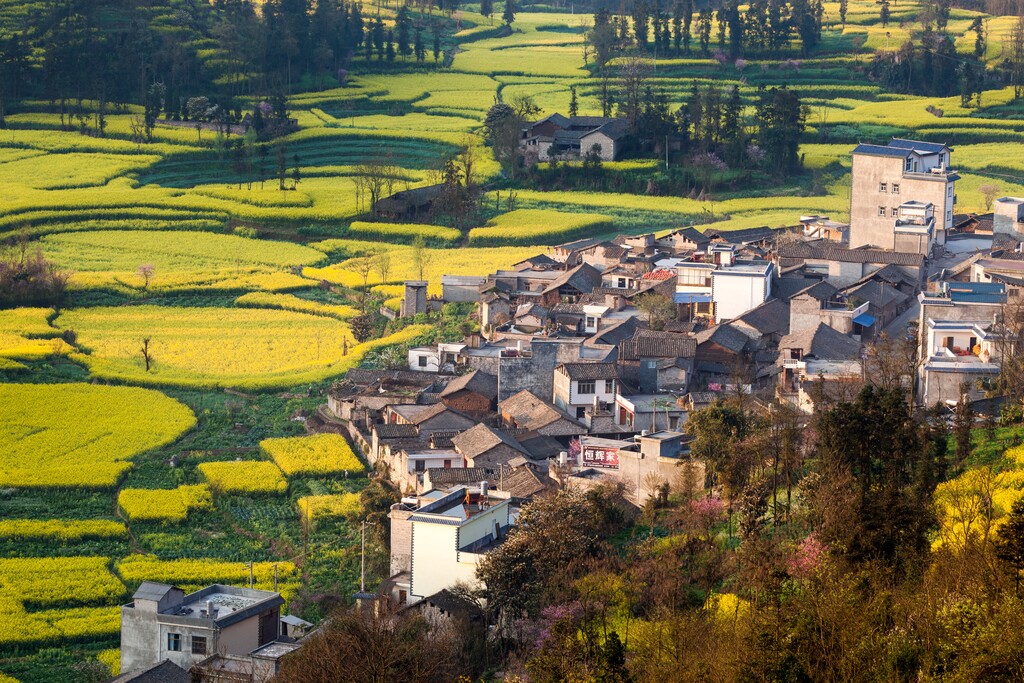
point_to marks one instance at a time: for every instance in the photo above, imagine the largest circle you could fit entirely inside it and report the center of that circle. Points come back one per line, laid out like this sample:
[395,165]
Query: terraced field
[243,294]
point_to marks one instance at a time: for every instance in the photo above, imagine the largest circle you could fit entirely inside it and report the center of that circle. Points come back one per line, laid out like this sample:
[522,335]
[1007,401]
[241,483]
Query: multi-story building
[959,340]
[438,539]
[162,623]
[885,177]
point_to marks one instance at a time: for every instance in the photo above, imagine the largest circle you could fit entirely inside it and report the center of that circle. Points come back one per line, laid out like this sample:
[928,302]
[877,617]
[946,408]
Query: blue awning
[865,320]
[687,298]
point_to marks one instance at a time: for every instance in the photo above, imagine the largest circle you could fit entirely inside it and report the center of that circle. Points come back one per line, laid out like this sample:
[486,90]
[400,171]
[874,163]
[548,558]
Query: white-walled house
[739,288]
[439,538]
[578,385]
[424,359]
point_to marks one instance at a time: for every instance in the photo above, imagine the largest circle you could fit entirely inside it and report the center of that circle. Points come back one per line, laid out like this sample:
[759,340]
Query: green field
[243,293]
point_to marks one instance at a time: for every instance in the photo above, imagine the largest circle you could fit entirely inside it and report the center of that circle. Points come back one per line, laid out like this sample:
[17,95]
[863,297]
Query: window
[422,360]
[882,187]
[198,645]
[586,387]
[174,642]
[581,412]
[881,211]
[609,386]
[909,164]
[591,322]
[895,213]
[421,465]
[895,188]
[622,283]
[447,464]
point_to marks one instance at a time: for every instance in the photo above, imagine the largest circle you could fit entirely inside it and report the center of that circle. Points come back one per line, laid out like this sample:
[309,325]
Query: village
[593,355]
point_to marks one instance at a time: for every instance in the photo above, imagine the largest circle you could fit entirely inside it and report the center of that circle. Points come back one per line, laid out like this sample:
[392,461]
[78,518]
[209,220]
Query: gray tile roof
[881,151]
[479,439]
[724,335]
[395,431]
[477,381]
[651,344]
[802,250]
[150,590]
[588,371]
[164,672]
[822,342]
[771,317]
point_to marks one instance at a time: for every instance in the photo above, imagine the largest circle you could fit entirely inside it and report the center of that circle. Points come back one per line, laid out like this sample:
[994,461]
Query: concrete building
[739,287]
[578,386]
[818,361]
[438,538]
[415,300]
[1008,217]
[424,359]
[823,303]
[958,339]
[162,623]
[663,458]
[885,177]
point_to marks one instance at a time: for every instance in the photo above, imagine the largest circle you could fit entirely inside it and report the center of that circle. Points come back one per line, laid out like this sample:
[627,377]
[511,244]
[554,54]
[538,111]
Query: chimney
[211,610]
[563,458]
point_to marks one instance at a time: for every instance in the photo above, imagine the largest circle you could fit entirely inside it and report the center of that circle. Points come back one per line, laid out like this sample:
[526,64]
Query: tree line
[112,51]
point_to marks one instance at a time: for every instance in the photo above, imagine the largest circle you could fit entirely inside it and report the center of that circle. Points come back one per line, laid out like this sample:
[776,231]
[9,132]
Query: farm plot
[404,232]
[244,477]
[60,530]
[164,505]
[61,435]
[77,169]
[290,302]
[57,599]
[535,226]
[323,454]
[26,333]
[210,347]
[329,505]
[176,260]
[437,262]
[192,574]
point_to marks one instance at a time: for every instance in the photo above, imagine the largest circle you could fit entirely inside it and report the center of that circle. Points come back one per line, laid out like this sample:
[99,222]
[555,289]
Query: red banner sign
[596,456]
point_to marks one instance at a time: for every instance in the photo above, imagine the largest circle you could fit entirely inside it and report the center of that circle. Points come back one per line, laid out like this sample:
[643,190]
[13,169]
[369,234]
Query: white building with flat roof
[162,623]
[438,538]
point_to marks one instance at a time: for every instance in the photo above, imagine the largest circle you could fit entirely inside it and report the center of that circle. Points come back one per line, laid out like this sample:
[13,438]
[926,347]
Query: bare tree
[382,262]
[633,74]
[989,192]
[376,177]
[147,353]
[467,159]
[421,257]
[363,267]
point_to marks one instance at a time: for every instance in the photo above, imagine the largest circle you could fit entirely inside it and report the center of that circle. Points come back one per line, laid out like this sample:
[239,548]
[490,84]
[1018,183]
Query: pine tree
[487,8]
[509,15]
[574,105]
[883,13]
[418,47]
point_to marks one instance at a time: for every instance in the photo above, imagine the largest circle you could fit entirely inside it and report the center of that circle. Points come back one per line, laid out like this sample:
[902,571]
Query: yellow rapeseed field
[210,347]
[60,435]
[166,505]
[57,599]
[60,530]
[290,302]
[313,455]
[325,506]
[25,333]
[192,574]
[244,477]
